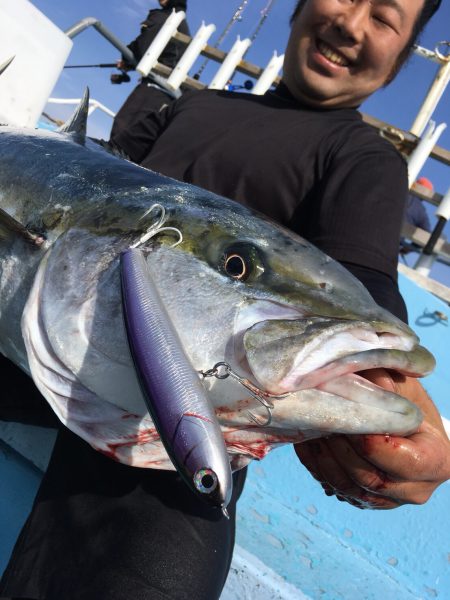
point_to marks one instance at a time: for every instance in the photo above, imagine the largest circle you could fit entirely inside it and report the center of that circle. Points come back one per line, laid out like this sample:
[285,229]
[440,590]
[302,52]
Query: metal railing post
[104,31]
[435,92]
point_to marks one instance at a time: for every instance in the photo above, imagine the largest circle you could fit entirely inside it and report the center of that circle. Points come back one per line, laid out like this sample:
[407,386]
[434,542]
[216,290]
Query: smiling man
[302,155]
[341,51]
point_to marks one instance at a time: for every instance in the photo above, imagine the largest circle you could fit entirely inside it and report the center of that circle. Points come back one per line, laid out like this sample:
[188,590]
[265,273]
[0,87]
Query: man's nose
[352,19]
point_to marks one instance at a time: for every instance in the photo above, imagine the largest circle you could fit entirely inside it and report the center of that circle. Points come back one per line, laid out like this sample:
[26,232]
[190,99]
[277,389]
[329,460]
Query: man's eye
[384,21]
[381,21]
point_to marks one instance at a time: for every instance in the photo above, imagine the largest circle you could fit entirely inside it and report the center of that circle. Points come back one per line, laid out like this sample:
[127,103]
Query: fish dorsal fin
[6,64]
[77,124]
[10,228]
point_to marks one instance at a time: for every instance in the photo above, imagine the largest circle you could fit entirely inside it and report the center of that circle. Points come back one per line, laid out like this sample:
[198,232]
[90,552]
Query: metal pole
[112,39]
[427,258]
[435,92]
[425,53]
[264,14]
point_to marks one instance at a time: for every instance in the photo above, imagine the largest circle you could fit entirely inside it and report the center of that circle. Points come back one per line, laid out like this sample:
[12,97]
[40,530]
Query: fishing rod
[264,14]
[237,16]
[248,85]
[100,66]
[116,78]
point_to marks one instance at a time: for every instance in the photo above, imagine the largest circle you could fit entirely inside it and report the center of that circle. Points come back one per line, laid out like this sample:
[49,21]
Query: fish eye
[242,262]
[235,266]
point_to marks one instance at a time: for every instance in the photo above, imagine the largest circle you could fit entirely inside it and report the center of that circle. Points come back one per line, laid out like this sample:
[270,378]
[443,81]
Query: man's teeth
[337,59]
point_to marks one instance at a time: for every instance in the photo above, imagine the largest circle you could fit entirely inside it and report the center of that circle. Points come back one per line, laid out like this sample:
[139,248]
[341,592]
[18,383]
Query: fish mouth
[313,364]
[291,355]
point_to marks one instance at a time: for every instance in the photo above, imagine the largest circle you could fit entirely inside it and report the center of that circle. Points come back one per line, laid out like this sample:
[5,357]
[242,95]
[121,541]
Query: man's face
[163,3]
[341,51]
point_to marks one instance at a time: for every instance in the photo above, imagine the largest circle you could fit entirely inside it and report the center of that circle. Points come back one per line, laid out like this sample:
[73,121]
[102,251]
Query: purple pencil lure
[174,394]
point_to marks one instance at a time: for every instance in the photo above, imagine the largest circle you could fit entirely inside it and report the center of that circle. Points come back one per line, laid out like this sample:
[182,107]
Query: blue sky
[397,104]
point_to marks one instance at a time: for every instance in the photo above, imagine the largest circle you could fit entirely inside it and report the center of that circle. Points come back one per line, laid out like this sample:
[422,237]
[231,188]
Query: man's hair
[428,10]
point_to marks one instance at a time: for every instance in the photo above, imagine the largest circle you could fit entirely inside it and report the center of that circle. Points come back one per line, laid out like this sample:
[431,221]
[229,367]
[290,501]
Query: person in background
[415,210]
[416,215]
[302,155]
[149,95]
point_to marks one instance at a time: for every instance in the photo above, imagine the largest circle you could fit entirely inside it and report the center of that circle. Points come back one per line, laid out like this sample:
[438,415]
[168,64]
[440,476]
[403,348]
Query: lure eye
[205,481]
[236,267]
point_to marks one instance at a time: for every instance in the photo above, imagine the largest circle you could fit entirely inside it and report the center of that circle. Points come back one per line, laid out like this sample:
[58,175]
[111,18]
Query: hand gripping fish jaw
[174,394]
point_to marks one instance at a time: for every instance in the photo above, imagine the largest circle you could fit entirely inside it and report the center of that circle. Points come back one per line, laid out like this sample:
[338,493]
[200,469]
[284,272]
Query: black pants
[142,100]
[100,530]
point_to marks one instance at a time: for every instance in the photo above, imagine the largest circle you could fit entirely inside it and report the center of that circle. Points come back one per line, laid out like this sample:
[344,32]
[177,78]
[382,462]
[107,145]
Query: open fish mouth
[291,355]
[313,363]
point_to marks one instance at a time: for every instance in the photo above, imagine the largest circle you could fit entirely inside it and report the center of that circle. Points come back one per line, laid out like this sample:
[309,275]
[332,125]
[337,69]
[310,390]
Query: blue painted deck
[328,550]
[20,480]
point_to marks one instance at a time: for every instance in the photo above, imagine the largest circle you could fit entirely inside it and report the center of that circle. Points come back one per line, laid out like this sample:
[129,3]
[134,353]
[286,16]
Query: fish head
[300,321]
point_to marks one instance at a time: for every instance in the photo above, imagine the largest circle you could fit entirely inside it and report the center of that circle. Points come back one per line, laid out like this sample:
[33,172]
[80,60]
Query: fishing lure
[174,394]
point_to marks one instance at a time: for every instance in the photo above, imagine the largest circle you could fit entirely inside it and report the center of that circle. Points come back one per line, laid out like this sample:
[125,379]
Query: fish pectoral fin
[11,228]
[77,124]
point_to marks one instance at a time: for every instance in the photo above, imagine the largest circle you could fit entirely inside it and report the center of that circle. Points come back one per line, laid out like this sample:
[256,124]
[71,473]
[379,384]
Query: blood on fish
[135,439]
[236,407]
[203,418]
[257,448]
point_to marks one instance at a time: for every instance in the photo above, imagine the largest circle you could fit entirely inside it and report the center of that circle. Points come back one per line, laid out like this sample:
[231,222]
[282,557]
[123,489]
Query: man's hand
[377,471]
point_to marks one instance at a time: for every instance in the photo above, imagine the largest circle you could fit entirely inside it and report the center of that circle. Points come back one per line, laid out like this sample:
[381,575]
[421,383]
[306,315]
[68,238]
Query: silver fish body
[239,289]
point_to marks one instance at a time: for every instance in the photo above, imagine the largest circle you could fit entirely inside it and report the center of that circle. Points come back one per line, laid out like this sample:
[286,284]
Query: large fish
[277,328]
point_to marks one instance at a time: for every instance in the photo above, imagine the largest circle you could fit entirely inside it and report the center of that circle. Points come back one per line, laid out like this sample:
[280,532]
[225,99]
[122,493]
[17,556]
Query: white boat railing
[437,88]
[93,105]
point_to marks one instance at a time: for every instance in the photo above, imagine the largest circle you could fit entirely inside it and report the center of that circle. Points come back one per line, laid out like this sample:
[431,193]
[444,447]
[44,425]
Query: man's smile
[331,54]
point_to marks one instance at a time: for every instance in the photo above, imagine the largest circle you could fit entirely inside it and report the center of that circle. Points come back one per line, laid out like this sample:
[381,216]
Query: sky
[397,104]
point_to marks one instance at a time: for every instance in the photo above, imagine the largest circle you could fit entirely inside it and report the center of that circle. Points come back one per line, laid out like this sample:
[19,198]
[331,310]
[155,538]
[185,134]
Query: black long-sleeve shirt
[323,173]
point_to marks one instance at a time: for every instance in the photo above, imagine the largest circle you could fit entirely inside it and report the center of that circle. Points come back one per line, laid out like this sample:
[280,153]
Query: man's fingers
[335,482]
[383,471]
[332,474]
[424,454]
[308,453]
[370,501]
[374,483]
[343,472]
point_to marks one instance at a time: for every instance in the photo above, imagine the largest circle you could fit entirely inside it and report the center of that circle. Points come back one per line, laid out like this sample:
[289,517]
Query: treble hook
[222,370]
[157,227]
